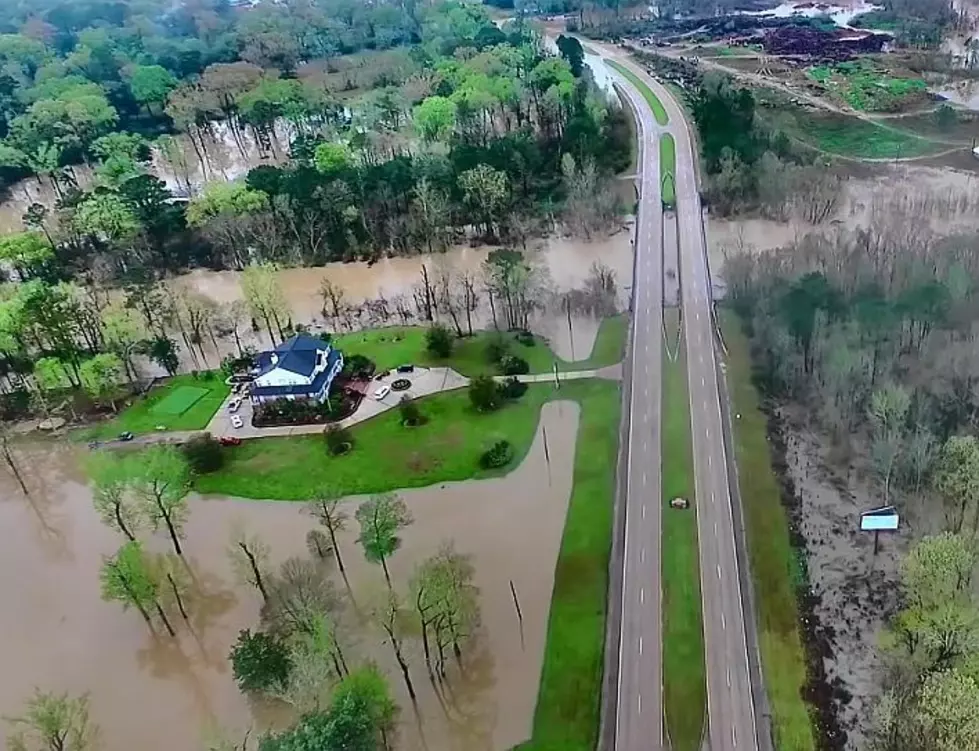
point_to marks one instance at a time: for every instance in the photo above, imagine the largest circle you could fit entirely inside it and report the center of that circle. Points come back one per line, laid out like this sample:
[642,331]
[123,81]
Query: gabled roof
[296,354]
[314,388]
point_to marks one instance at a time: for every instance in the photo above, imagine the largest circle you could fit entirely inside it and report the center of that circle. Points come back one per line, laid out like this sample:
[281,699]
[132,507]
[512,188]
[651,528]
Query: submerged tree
[113,498]
[161,483]
[249,558]
[381,518]
[329,512]
[128,578]
[53,722]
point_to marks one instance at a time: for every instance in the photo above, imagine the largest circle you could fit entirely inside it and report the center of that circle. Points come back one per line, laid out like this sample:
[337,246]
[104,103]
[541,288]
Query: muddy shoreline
[821,695]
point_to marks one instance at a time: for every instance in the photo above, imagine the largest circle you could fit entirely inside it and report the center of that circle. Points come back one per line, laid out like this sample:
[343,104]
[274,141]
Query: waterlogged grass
[395,345]
[659,111]
[774,568]
[667,166]
[684,679]
[146,414]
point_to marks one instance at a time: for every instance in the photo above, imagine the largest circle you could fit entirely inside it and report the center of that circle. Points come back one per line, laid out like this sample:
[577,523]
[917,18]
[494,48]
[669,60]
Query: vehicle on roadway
[382,392]
[236,421]
[229,440]
[234,404]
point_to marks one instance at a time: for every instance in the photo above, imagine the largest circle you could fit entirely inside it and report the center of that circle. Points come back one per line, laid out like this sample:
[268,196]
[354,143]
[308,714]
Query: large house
[302,367]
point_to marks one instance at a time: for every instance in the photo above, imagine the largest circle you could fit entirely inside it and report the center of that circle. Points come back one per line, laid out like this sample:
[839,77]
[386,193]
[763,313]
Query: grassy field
[684,679]
[944,124]
[773,564]
[847,136]
[568,700]
[659,111]
[667,166]
[395,345]
[181,403]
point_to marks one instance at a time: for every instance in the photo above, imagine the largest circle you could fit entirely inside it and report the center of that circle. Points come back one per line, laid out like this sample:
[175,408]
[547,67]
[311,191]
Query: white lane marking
[715,529]
[642,597]
[728,670]
[723,622]
[718,571]
[734,736]
[640,652]
[644,477]
[645,446]
[702,382]
[707,429]
[644,511]
[640,703]
[709,461]
[642,555]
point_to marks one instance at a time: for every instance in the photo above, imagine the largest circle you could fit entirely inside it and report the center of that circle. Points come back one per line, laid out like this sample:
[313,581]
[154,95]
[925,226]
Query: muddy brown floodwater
[155,693]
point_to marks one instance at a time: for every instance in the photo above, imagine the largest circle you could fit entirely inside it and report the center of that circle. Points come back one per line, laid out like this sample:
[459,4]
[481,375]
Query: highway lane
[639,713]
[730,710]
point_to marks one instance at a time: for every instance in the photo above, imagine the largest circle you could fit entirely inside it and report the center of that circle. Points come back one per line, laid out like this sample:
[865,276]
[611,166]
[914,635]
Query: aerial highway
[639,716]
[730,706]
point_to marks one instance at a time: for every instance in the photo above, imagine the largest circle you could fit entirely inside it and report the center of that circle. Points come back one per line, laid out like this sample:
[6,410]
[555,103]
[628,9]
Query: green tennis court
[179,400]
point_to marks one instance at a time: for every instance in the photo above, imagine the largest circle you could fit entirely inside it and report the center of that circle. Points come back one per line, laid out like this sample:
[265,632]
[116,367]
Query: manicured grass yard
[770,551]
[667,166]
[684,681]
[181,403]
[395,345]
[659,111]
[388,456]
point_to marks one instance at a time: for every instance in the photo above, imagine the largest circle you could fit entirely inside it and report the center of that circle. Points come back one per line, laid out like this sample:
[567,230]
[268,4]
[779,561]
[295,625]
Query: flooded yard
[151,692]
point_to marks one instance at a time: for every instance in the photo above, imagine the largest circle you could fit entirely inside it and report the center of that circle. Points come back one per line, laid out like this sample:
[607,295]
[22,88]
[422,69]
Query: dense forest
[443,124]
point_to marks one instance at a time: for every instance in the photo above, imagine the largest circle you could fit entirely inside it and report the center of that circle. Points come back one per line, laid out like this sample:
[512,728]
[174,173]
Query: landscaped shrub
[499,455]
[411,415]
[203,453]
[511,388]
[496,347]
[338,440]
[513,365]
[438,341]
[358,366]
[484,394]
[526,338]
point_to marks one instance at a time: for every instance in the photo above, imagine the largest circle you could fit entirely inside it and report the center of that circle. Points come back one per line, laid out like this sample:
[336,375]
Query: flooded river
[156,694]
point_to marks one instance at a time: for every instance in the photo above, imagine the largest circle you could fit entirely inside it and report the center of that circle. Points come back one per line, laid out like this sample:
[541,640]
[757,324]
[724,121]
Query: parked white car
[234,404]
[382,392]
[236,421]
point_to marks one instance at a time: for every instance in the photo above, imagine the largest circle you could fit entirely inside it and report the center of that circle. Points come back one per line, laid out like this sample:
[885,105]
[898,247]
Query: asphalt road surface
[730,709]
[639,714]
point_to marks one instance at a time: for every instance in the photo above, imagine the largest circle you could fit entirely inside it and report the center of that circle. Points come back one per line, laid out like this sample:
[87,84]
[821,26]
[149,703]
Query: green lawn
[667,166]
[395,345]
[684,680]
[180,403]
[569,698]
[659,111]
[387,455]
[773,563]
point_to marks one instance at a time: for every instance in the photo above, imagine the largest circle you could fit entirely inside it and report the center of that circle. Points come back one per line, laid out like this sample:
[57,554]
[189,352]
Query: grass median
[391,346]
[773,563]
[667,166]
[659,111]
[684,680]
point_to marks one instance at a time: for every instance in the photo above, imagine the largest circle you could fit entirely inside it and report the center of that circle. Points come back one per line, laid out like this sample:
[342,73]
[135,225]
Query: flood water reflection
[151,692]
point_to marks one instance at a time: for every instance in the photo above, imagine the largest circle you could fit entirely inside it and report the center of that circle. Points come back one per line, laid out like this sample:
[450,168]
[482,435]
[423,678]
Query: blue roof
[296,354]
[313,388]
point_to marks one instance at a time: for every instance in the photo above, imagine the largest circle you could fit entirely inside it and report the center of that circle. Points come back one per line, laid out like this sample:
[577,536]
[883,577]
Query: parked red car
[229,440]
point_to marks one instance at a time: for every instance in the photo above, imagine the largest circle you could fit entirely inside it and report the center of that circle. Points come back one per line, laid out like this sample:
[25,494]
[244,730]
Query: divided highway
[639,715]
[730,710]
